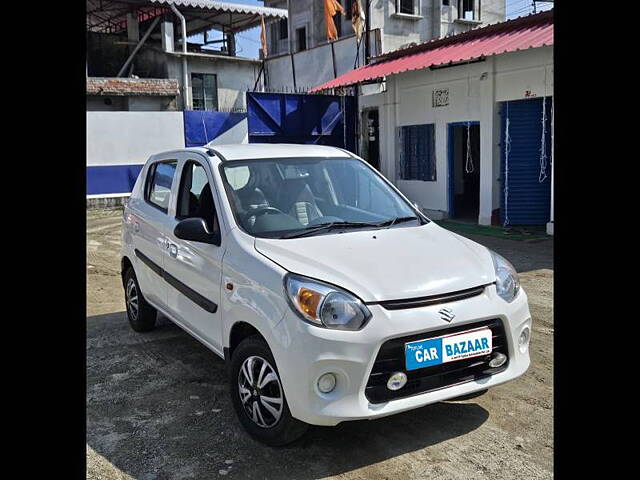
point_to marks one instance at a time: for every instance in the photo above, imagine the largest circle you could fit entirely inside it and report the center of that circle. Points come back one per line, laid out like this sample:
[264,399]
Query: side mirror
[195,230]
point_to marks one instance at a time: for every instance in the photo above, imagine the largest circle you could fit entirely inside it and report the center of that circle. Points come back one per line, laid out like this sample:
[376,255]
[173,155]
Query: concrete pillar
[133,29]
[168,39]
[290,27]
[488,127]
[231,44]
[391,134]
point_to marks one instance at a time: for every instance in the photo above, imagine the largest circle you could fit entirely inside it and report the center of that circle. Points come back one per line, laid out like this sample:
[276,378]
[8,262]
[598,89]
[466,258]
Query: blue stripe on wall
[111,178]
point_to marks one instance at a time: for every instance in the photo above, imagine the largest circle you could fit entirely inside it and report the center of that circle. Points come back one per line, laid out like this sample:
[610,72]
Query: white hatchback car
[328,294]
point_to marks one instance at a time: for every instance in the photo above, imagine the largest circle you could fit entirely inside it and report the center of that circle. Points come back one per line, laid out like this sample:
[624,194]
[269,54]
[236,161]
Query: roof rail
[212,151]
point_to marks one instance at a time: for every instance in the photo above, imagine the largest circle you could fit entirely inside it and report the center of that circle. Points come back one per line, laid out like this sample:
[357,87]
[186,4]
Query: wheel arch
[237,333]
[125,264]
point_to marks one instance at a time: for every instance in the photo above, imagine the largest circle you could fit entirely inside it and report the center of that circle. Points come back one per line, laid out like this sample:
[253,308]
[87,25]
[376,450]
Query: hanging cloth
[263,37]
[543,144]
[468,166]
[331,7]
[507,148]
[357,19]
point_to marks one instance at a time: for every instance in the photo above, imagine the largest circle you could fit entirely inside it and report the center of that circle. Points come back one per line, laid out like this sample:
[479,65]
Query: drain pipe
[185,73]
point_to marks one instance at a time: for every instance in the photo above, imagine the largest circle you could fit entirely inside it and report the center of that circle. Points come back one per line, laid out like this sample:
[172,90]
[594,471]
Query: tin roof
[229,7]
[109,16]
[521,33]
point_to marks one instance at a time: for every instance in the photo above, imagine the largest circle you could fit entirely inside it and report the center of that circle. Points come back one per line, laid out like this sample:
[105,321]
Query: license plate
[448,348]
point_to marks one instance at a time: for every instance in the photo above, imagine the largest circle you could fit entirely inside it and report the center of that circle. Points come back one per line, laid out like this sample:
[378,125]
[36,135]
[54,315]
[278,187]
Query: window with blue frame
[417,153]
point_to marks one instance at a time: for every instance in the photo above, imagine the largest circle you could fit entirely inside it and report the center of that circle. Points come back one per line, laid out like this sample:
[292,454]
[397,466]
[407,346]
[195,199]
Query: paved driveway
[158,407]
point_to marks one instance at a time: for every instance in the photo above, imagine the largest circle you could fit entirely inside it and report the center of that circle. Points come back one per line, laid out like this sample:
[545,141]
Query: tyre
[142,316]
[258,397]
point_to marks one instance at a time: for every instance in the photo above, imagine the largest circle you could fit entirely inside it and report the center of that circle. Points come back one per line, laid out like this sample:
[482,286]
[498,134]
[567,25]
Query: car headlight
[325,305]
[507,281]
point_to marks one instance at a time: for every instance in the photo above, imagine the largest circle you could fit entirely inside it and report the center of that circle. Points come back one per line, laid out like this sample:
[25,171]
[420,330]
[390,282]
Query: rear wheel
[258,397]
[142,316]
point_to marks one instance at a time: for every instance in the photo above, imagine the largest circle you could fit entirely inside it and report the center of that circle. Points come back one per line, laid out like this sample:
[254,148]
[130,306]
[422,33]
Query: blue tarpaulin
[200,127]
[298,118]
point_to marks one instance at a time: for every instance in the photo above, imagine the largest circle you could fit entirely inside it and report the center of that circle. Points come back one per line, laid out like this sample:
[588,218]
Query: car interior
[200,204]
[273,196]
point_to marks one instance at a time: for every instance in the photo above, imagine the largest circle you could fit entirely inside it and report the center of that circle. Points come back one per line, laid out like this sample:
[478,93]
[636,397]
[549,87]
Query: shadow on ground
[525,255]
[158,407]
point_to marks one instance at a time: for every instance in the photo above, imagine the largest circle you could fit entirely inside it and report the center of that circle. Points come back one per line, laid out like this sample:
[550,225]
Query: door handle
[173,250]
[136,227]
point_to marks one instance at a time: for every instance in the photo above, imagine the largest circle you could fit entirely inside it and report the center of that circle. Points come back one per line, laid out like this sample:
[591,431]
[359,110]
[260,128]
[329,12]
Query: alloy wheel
[132,299]
[260,391]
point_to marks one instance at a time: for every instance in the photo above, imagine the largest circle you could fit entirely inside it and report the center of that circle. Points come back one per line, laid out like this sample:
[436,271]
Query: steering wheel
[261,211]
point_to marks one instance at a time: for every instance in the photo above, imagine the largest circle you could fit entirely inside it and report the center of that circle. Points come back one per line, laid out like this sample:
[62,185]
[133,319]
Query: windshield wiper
[393,221]
[327,226]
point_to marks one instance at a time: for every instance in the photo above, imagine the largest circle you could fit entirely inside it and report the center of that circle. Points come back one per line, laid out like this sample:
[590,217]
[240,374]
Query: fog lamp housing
[397,381]
[327,383]
[498,360]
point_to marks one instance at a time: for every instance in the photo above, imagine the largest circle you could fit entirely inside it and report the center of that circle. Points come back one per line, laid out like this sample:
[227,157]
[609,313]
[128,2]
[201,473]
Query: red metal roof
[518,34]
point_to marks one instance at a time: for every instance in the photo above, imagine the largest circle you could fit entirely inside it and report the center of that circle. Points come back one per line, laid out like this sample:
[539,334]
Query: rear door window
[159,181]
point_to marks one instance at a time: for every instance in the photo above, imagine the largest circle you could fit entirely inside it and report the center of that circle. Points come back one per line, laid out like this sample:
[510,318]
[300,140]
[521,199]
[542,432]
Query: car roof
[247,151]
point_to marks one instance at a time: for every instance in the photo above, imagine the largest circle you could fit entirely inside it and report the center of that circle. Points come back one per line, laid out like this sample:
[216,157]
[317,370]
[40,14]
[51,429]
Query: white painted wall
[129,138]
[234,75]
[475,91]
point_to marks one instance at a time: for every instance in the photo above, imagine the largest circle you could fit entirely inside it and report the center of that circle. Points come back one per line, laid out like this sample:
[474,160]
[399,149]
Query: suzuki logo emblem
[446,314]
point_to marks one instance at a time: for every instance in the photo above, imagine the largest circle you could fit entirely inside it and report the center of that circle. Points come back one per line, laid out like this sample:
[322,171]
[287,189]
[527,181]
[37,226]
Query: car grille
[391,359]
[433,299]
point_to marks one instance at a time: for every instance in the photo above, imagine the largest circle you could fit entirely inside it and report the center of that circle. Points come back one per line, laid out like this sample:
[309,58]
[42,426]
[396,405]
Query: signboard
[440,97]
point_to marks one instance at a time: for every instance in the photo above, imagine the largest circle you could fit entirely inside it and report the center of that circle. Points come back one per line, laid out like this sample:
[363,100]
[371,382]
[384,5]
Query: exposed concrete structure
[304,34]
[144,40]
[131,94]
[430,19]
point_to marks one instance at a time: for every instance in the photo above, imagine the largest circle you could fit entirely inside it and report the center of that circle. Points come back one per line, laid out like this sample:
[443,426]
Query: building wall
[475,91]
[119,143]
[106,103]
[493,11]
[115,103]
[106,55]
[273,32]
[235,77]
[433,21]
[314,66]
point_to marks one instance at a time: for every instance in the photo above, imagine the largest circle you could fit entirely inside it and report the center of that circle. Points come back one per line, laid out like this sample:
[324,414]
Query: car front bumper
[304,352]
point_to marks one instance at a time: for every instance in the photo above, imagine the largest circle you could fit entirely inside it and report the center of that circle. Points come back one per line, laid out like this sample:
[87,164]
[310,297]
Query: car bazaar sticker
[448,348]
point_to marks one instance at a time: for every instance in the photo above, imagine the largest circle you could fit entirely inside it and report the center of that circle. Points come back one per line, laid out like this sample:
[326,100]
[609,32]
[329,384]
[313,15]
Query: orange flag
[263,37]
[331,7]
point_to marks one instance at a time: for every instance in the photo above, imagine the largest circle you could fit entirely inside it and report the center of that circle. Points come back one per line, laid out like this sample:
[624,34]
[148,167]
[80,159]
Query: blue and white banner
[119,143]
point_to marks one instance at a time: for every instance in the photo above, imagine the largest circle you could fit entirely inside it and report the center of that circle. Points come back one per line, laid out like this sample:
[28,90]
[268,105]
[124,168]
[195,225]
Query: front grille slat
[433,299]
[391,359]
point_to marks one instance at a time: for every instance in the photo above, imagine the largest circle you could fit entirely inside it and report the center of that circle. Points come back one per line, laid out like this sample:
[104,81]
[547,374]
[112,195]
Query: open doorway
[371,137]
[464,171]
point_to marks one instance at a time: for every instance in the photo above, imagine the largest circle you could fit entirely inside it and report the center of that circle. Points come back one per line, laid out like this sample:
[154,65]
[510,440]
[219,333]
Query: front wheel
[258,397]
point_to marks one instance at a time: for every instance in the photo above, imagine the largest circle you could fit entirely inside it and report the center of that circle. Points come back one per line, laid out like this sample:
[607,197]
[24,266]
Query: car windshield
[295,197]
